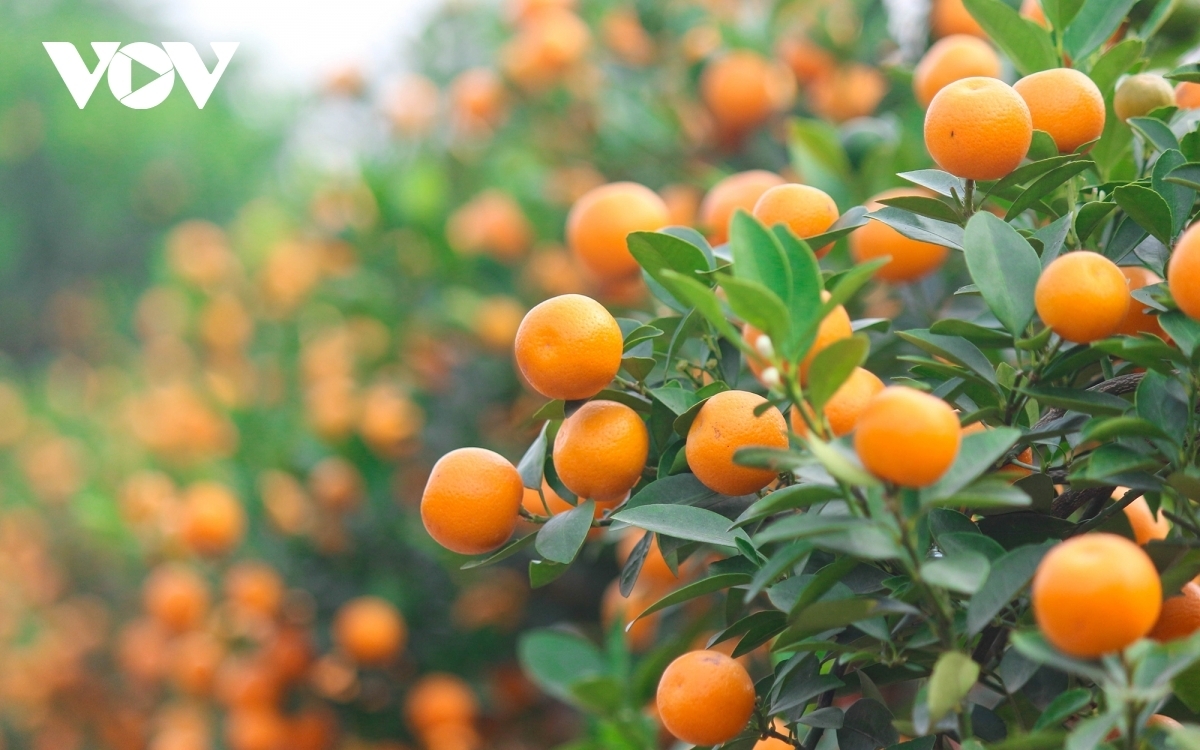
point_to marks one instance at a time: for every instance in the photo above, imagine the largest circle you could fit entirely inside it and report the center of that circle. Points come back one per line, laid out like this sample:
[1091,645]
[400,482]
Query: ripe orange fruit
[1187,95]
[1139,95]
[1183,272]
[600,221]
[950,59]
[907,436]
[569,347]
[440,698]
[1137,320]
[194,662]
[978,128]
[478,98]
[246,682]
[742,89]
[741,190]
[601,449]
[1082,296]
[256,729]
[213,520]
[1180,615]
[1064,103]
[1146,526]
[614,607]
[910,259]
[725,424]
[848,92]
[1095,594]
[336,484]
[254,588]
[176,597]
[951,17]
[493,223]
[808,61]
[705,698]
[847,404]
[806,210]
[370,630]
[471,501]
[655,571]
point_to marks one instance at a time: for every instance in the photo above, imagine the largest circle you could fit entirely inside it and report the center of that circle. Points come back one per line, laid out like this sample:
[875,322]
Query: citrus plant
[992,547]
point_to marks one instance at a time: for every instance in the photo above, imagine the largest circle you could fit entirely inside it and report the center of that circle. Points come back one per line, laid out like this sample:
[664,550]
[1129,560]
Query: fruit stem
[969,199]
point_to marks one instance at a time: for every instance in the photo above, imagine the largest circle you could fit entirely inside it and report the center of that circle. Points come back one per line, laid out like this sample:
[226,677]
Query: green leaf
[925,206]
[1179,198]
[556,660]
[1155,131]
[757,305]
[1189,73]
[978,452]
[640,334]
[1043,186]
[503,553]
[958,350]
[954,674]
[832,366]
[692,292]
[1105,430]
[1026,44]
[867,725]
[1088,402]
[1183,329]
[1008,576]
[1089,733]
[657,252]
[1041,147]
[563,535]
[681,489]
[921,228]
[601,695]
[955,543]
[533,463]
[1028,172]
[544,572]
[942,183]
[964,572]
[1064,706]
[1091,216]
[704,586]
[853,219]
[840,463]
[758,257]
[1187,175]
[1113,64]
[1093,25]
[988,338]
[1034,647]
[1004,267]
[1147,208]
[683,522]
[828,615]
[788,498]
[804,306]
[985,493]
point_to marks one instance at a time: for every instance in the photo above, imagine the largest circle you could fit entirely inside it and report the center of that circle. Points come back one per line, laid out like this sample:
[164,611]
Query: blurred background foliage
[238,344]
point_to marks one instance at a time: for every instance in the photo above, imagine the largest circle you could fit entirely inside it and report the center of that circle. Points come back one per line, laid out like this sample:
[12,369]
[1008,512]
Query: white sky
[294,44]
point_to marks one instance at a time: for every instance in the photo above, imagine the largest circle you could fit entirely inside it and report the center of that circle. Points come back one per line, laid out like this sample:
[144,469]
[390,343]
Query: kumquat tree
[753,374]
[991,542]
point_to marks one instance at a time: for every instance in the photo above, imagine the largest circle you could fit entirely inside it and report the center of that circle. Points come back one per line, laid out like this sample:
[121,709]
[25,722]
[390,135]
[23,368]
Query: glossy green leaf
[832,365]
[1004,267]
[1026,44]
[683,522]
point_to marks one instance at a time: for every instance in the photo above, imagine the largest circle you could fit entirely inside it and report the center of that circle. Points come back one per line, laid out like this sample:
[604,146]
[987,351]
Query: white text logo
[164,60]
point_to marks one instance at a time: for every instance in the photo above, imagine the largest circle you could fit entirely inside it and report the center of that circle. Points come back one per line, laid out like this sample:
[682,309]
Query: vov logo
[164,60]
